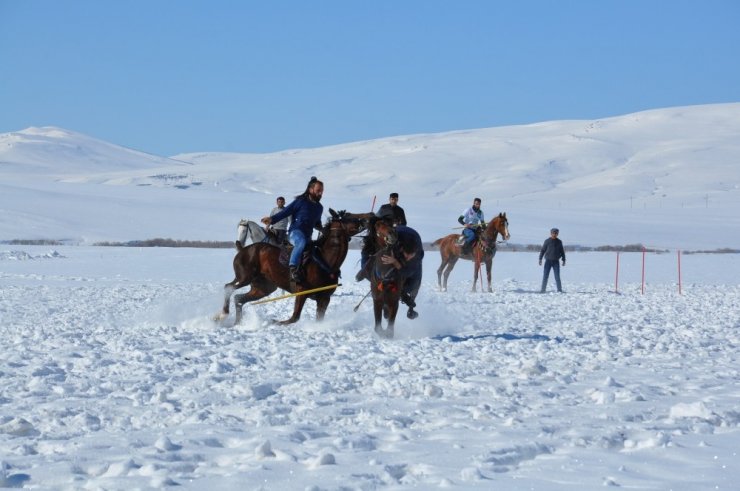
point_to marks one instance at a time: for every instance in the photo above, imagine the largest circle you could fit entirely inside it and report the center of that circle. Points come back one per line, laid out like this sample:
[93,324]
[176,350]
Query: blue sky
[173,76]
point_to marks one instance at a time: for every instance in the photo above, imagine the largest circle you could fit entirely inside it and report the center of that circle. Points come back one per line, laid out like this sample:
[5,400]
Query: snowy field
[113,377]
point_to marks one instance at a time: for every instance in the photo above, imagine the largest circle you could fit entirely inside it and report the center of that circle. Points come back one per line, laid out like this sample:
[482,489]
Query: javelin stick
[457,228]
[363,299]
[372,208]
[304,292]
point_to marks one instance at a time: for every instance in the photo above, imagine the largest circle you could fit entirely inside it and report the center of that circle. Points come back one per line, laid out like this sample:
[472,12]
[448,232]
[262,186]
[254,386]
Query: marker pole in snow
[616,277]
[679,272]
[372,208]
[643,270]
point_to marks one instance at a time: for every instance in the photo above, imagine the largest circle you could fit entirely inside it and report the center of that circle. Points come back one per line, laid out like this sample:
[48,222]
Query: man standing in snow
[552,250]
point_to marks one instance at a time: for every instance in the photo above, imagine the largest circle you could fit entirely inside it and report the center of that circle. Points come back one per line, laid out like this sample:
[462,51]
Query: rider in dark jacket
[392,209]
[409,266]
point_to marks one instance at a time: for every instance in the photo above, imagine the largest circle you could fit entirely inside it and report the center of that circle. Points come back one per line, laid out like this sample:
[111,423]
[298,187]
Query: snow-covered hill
[666,177]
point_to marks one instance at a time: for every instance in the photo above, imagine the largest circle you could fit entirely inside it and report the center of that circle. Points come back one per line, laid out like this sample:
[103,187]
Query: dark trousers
[412,278]
[555,266]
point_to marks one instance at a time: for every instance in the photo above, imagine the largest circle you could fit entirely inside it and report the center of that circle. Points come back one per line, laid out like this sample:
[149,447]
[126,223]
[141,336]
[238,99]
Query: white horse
[248,229]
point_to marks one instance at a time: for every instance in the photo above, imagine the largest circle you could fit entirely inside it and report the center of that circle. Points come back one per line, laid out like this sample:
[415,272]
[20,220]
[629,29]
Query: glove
[540,262]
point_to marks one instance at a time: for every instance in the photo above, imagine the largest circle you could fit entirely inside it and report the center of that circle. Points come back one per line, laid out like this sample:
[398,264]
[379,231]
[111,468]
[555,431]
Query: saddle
[468,248]
[310,253]
[287,248]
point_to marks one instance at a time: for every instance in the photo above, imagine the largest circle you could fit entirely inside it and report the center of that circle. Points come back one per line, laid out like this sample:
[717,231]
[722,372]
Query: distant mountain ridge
[58,151]
[591,172]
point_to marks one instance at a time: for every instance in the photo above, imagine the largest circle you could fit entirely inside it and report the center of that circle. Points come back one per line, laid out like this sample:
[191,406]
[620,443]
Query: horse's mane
[327,225]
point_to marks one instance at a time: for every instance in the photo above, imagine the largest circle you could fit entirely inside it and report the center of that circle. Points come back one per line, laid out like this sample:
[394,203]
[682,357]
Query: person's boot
[466,248]
[294,275]
[361,275]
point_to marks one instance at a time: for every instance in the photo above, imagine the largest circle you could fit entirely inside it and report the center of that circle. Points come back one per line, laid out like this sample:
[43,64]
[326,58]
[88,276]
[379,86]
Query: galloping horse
[483,251]
[259,266]
[386,283]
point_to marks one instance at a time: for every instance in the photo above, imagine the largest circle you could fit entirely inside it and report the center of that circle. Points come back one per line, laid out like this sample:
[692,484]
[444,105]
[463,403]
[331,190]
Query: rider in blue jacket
[305,212]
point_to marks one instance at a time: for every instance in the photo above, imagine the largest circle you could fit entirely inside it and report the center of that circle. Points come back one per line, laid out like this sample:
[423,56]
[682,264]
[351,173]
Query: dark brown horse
[259,266]
[483,251]
[386,283]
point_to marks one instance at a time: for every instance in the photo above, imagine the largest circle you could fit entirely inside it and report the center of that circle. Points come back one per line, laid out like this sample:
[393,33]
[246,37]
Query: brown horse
[259,266]
[386,283]
[483,251]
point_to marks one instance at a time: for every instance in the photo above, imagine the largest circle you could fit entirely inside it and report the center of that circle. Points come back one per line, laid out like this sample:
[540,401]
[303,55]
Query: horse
[258,233]
[386,283]
[483,251]
[258,265]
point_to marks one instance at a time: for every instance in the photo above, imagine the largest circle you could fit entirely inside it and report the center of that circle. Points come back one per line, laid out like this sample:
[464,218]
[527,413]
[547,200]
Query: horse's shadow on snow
[505,336]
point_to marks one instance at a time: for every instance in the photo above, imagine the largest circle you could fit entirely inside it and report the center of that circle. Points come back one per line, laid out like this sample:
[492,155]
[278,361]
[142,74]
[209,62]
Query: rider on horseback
[280,229]
[408,265]
[305,212]
[471,219]
[391,208]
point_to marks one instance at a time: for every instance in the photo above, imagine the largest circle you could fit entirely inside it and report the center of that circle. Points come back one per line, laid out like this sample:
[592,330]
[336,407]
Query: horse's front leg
[300,300]
[322,303]
[378,315]
[392,312]
[476,271]
[489,267]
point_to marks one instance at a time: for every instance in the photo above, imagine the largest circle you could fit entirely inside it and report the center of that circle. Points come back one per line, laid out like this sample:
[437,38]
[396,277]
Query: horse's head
[499,225]
[352,223]
[385,234]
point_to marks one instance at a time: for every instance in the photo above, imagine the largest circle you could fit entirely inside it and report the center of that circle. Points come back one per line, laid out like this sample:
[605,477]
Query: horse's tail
[438,241]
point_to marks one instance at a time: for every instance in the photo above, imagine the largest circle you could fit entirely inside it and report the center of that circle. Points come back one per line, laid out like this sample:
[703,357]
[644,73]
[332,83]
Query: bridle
[388,239]
[490,242]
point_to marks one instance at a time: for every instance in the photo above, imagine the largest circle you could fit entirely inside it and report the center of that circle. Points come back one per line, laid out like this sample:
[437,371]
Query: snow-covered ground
[114,377]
